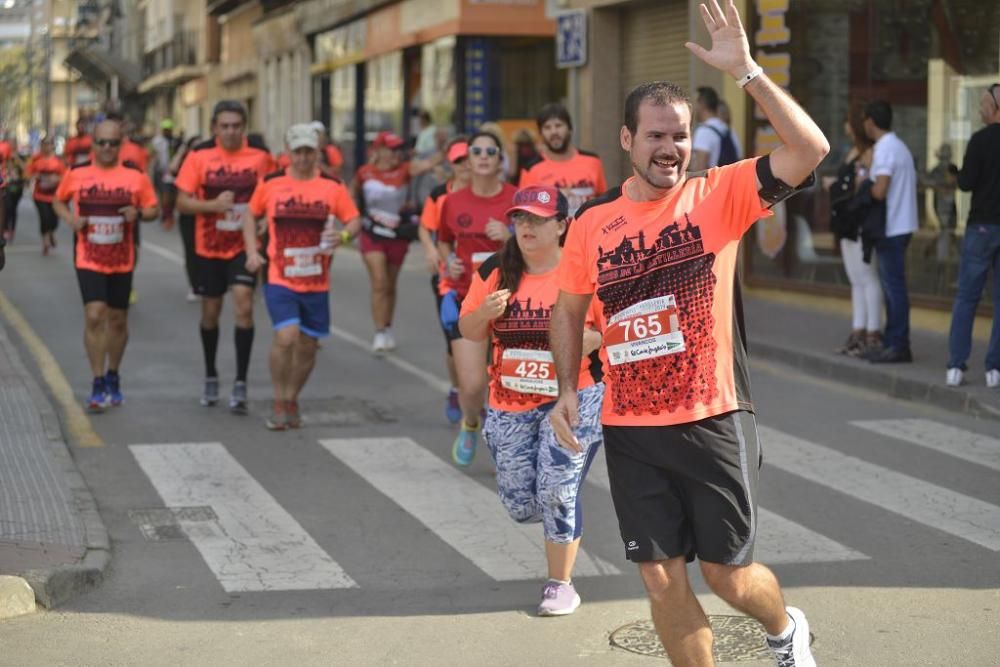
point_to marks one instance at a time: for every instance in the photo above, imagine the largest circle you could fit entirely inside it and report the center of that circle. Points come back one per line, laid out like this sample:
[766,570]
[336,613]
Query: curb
[917,391]
[60,584]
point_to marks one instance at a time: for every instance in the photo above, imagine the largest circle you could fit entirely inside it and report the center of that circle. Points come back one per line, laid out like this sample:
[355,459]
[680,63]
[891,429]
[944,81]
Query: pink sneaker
[558,599]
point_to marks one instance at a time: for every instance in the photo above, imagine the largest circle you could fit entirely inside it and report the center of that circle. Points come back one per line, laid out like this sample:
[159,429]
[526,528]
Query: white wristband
[749,76]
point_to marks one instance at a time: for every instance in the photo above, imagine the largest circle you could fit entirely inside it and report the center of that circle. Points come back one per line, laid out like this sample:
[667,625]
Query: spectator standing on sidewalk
[894,179]
[714,144]
[980,175]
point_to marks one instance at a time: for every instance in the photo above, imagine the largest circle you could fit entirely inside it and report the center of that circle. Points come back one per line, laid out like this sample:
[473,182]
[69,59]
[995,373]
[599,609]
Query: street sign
[571,39]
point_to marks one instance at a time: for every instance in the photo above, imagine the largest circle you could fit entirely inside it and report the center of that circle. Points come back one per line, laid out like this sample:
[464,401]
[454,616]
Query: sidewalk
[803,331]
[50,531]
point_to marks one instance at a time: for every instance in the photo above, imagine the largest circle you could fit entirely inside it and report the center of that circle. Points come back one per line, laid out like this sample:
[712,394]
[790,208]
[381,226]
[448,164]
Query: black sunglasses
[479,150]
[108,142]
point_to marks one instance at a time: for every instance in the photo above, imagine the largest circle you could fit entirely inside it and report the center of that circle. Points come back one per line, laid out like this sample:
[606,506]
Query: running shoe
[378,343]
[558,599]
[210,395]
[993,378]
[954,377]
[390,340]
[238,399]
[464,448]
[99,399]
[278,420]
[113,384]
[452,410]
[794,651]
[292,416]
[192,297]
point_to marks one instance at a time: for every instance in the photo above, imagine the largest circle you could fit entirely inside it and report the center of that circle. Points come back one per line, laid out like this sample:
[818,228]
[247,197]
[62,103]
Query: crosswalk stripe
[462,512]
[253,544]
[973,447]
[779,540]
[935,506]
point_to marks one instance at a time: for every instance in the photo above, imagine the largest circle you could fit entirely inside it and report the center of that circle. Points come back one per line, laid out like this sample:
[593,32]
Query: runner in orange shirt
[301,207]
[473,226]
[457,153]
[109,200]
[658,255]
[215,183]
[510,301]
[577,173]
[330,159]
[45,170]
[77,149]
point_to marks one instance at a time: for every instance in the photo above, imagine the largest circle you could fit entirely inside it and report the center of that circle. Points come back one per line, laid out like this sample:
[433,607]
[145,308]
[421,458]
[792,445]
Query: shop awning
[98,66]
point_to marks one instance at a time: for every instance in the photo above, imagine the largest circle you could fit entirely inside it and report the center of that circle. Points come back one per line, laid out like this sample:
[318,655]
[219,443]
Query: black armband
[773,190]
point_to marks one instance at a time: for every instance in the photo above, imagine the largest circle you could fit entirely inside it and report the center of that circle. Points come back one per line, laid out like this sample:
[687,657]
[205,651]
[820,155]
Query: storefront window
[527,78]
[343,94]
[437,80]
[384,94]
[930,59]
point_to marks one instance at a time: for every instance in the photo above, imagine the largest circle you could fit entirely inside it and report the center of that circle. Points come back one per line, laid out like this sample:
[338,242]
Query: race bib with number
[478,258]
[384,218]
[577,197]
[645,330]
[232,220]
[529,372]
[105,229]
[304,262]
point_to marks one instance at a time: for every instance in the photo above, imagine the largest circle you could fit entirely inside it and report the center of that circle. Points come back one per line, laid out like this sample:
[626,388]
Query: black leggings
[47,218]
[11,199]
[187,237]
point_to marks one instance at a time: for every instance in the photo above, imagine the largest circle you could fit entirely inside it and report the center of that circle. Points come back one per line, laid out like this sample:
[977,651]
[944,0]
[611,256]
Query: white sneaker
[954,377]
[378,343]
[993,378]
[192,297]
[794,651]
[390,340]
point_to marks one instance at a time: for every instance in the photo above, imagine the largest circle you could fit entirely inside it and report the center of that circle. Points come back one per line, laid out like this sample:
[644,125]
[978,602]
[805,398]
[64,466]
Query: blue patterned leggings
[538,479]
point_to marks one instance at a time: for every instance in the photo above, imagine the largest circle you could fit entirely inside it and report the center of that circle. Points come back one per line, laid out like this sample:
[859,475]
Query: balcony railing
[182,50]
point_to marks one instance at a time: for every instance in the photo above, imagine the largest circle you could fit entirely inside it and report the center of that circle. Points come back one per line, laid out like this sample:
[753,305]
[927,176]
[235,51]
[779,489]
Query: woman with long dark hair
[510,300]
[45,171]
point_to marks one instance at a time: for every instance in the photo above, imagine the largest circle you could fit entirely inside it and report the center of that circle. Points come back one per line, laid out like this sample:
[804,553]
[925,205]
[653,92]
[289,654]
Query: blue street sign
[571,39]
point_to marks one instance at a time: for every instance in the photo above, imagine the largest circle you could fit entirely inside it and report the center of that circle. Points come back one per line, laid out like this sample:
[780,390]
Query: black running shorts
[215,276]
[687,490]
[111,288]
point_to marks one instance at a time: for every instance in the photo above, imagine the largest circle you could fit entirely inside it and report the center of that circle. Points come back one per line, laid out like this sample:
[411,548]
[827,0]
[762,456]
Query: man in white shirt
[894,178]
[714,144]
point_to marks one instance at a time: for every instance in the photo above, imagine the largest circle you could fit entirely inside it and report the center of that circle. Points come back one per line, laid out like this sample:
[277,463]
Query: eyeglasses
[523,217]
[479,150]
[114,143]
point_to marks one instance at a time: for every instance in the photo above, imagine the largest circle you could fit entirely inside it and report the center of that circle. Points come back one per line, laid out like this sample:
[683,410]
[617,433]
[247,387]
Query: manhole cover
[162,524]
[737,638]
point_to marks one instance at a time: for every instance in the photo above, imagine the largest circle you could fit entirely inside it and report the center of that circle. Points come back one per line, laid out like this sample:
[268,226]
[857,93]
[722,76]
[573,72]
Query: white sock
[785,635]
[560,581]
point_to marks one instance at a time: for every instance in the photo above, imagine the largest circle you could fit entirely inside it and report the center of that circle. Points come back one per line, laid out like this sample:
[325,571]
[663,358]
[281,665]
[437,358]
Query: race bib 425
[646,330]
[529,372]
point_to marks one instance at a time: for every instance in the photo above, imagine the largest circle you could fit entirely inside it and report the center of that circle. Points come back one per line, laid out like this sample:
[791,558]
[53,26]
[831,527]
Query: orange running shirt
[296,213]
[134,153]
[48,169]
[6,151]
[77,149]
[430,214]
[463,224]
[581,178]
[207,172]
[107,243]
[664,275]
[522,372]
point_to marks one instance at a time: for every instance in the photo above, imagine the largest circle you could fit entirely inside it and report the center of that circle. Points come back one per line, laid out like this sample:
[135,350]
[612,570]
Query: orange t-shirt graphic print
[208,172]
[297,212]
[107,243]
[664,275]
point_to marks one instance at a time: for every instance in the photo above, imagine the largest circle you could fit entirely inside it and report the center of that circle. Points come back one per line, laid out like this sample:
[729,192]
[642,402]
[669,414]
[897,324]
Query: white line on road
[462,512]
[779,540]
[932,505]
[973,447]
[254,545]
[165,253]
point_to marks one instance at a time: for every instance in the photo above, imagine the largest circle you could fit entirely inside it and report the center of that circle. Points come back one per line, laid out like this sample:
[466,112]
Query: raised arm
[803,144]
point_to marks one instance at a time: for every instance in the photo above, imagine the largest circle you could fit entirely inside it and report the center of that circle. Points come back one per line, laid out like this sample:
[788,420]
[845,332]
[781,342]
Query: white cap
[318,126]
[302,135]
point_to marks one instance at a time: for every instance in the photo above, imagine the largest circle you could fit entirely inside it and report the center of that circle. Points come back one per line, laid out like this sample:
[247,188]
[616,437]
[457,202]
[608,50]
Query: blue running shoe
[464,448]
[452,410]
[99,399]
[113,384]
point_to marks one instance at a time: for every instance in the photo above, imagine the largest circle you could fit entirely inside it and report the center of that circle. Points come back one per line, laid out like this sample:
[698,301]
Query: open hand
[495,304]
[565,416]
[730,49]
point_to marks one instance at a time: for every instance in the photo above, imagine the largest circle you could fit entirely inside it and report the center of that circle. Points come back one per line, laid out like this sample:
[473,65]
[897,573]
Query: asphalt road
[355,540]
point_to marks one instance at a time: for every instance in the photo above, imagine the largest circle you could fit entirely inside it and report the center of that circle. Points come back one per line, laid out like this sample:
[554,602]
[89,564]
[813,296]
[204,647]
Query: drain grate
[737,639]
[162,524]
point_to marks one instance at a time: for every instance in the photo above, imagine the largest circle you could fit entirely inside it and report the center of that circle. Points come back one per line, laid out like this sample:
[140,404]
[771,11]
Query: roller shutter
[653,40]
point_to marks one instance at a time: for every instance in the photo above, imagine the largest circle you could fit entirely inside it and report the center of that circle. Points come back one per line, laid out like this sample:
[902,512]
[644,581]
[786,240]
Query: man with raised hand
[659,254]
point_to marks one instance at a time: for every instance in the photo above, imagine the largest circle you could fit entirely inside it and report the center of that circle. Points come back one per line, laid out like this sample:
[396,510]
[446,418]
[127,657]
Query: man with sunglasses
[980,175]
[215,184]
[109,201]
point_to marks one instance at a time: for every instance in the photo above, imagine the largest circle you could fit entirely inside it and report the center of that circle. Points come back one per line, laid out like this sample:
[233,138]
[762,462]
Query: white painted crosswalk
[254,544]
[251,543]
[462,512]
